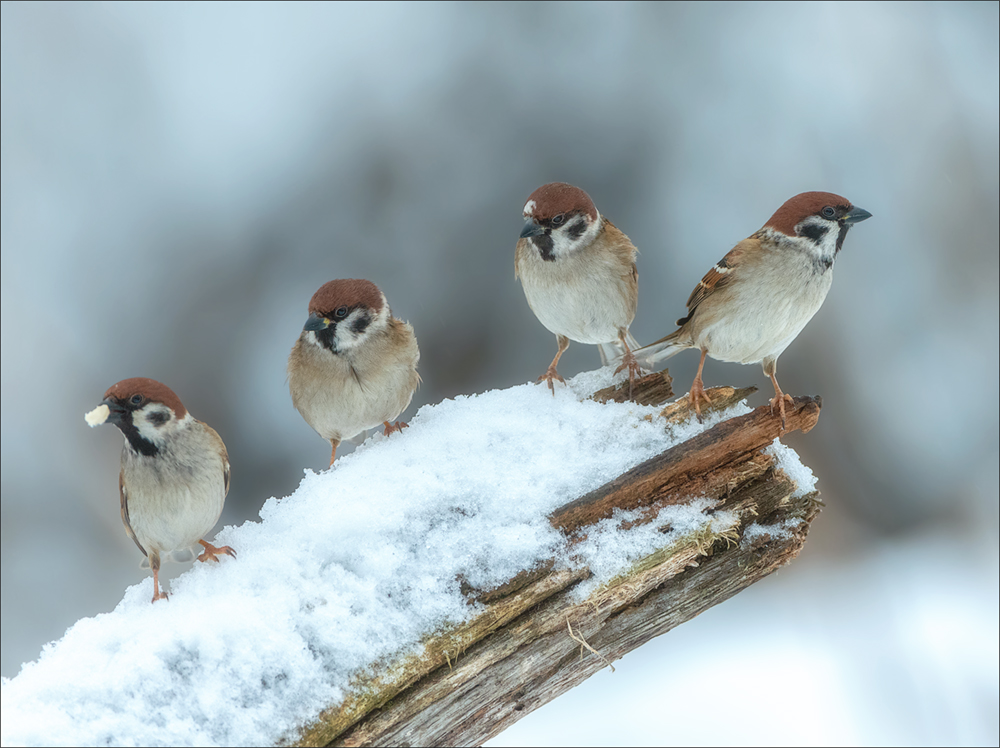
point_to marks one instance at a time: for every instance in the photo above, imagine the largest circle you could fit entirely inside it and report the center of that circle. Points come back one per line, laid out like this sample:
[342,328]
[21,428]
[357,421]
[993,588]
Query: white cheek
[828,244]
[830,241]
[346,337]
[563,243]
[157,434]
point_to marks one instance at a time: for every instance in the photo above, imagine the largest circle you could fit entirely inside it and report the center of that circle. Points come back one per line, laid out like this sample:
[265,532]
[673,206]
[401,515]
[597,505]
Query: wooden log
[651,389]
[691,468]
[536,637]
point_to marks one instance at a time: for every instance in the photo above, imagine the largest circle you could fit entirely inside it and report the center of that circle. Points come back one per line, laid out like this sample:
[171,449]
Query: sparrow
[579,276]
[754,302]
[174,472]
[354,365]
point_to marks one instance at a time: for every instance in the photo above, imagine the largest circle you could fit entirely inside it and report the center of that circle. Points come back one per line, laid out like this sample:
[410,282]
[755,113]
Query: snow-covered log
[537,636]
[439,584]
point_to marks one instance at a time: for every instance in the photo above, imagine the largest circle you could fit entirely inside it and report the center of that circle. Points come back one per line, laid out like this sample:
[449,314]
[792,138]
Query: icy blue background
[178,179]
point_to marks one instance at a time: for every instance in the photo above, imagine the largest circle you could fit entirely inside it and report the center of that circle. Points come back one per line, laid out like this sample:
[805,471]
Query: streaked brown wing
[519,249]
[718,277]
[128,525]
[223,453]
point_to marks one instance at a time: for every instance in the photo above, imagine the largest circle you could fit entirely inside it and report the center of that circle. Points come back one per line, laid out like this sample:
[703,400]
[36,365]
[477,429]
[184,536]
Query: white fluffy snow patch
[787,460]
[608,550]
[358,565]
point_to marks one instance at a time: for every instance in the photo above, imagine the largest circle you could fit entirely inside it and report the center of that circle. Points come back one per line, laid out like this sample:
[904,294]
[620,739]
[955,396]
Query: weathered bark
[652,389]
[535,638]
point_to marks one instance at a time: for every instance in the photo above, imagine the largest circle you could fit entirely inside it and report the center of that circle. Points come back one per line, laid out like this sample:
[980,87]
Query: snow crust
[357,566]
[776,531]
[786,459]
[609,549]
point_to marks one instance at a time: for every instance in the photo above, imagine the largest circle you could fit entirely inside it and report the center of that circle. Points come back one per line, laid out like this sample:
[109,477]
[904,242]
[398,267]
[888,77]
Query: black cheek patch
[359,325]
[158,418]
[544,244]
[576,230]
[814,231]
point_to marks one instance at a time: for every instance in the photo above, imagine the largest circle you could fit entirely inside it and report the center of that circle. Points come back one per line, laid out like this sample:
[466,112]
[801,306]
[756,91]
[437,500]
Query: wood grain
[472,681]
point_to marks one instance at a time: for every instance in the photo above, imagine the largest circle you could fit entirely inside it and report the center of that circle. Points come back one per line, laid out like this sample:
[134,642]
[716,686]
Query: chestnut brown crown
[803,205]
[349,292]
[559,198]
[150,390]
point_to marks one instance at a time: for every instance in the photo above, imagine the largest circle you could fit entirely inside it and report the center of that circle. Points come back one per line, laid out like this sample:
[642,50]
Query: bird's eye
[341,312]
[135,399]
[828,212]
[558,220]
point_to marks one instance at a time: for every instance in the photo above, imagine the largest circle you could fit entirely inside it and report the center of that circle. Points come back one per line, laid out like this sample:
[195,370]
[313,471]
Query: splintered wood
[535,640]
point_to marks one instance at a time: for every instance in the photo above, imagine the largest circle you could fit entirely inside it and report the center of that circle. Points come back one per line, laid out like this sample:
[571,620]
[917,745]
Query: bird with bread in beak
[174,473]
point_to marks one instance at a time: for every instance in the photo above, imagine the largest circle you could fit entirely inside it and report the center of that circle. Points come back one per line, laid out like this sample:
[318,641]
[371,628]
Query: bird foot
[158,595]
[696,396]
[549,376]
[634,370]
[780,399]
[212,553]
[393,427]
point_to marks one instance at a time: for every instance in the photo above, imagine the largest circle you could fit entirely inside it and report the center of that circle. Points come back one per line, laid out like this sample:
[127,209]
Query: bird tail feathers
[648,356]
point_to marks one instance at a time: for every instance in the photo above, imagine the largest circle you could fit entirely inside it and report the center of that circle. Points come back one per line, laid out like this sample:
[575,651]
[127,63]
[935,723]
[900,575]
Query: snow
[787,460]
[357,566]
[608,549]
[776,531]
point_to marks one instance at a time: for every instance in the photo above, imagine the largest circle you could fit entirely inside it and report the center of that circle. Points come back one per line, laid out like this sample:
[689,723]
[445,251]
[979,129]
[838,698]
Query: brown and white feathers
[754,302]
[354,365]
[578,271]
[174,472]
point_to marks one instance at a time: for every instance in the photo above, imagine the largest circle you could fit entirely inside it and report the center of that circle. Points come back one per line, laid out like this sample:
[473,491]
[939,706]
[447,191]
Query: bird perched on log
[579,275]
[354,365]
[754,302]
[174,473]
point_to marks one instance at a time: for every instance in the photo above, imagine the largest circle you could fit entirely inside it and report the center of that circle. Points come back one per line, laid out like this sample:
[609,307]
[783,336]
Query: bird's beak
[315,323]
[531,229]
[857,215]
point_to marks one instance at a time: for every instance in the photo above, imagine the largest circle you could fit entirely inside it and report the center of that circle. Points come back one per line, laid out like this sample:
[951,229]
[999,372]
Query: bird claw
[780,399]
[634,370]
[550,375]
[696,395]
[212,553]
[393,427]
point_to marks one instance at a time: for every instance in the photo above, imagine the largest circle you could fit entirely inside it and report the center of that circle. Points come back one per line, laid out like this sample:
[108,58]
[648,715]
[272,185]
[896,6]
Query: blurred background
[178,179]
